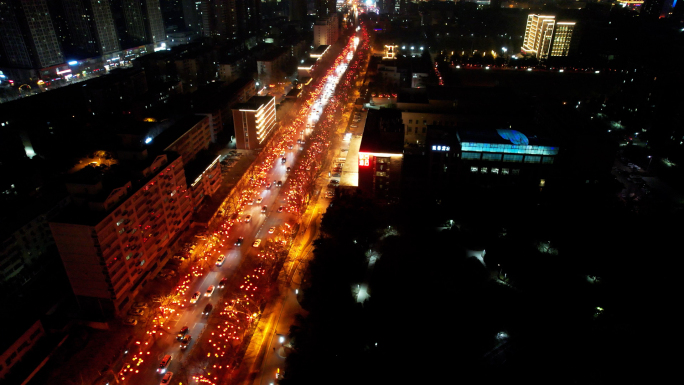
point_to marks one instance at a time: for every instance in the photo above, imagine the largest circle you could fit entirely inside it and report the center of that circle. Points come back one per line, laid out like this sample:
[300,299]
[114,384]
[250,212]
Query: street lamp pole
[649,163]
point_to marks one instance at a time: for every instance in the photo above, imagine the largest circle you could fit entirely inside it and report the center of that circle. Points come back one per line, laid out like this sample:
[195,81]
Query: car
[250,202]
[185,341]
[156,298]
[259,200]
[223,283]
[288,169]
[130,321]
[268,186]
[166,379]
[169,272]
[248,218]
[256,243]
[334,181]
[162,275]
[283,160]
[210,291]
[220,260]
[140,305]
[239,241]
[290,147]
[207,309]
[279,183]
[280,209]
[271,230]
[354,126]
[195,297]
[263,209]
[182,333]
[179,257]
[138,312]
[164,364]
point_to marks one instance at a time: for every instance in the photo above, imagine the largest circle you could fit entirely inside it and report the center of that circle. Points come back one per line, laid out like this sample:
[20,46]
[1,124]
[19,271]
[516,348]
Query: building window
[504,171]
[512,158]
[483,170]
[547,160]
[516,171]
[410,130]
[471,155]
[491,157]
[473,169]
[424,130]
[542,182]
[410,120]
[532,159]
[495,170]
[381,173]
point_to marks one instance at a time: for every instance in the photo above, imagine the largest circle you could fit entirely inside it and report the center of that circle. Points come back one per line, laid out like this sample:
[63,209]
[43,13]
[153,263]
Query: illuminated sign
[72,63]
[364,160]
[441,148]
[63,72]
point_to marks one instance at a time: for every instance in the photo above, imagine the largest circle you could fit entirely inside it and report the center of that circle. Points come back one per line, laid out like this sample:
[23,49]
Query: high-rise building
[326,31]
[27,35]
[232,19]
[545,37]
[139,22]
[655,9]
[90,27]
[254,121]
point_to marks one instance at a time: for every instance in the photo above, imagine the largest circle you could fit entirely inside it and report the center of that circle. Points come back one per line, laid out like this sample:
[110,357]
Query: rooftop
[177,130]
[506,140]
[319,51]
[197,166]
[383,132]
[254,103]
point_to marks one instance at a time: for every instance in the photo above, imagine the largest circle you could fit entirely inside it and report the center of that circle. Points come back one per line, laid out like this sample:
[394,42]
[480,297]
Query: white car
[271,230]
[259,200]
[248,218]
[130,321]
[256,243]
[210,291]
[220,260]
[195,297]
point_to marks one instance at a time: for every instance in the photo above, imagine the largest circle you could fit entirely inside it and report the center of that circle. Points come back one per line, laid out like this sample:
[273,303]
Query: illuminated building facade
[390,51]
[254,121]
[502,156]
[114,237]
[545,37]
[381,156]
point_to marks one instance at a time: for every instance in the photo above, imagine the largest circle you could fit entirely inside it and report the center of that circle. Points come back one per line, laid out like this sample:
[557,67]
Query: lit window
[473,169]
[483,170]
[495,170]
[504,171]
[542,182]
[516,171]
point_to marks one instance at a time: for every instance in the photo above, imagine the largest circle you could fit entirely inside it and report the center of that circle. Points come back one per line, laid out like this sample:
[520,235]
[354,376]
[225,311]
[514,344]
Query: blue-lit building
[488,157]
[504,156]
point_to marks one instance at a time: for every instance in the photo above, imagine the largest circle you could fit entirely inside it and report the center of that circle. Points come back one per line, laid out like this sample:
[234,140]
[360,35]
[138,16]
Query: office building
[326,30]
[27,35]
[502,156]
[270,66]
[114,237]
[545,37]
[254,121]
[381,155]
[232,19]
[325,8]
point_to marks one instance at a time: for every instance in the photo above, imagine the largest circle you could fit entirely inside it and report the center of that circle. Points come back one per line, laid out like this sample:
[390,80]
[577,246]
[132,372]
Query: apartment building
[204,178]
[13,353]
[187,137]
[114,237]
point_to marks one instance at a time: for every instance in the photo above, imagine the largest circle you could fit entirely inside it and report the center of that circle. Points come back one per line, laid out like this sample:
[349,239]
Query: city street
[266,222]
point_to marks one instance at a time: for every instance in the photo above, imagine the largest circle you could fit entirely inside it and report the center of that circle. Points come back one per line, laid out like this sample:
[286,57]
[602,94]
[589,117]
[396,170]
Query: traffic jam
[200,326]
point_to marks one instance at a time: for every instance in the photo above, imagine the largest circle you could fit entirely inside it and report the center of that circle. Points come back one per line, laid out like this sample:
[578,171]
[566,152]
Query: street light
[649,163]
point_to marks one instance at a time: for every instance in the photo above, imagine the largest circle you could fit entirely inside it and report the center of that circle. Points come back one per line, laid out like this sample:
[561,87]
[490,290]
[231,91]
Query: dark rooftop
[320,50]
[253,103]
[178,129]
[197,166]
[383,132]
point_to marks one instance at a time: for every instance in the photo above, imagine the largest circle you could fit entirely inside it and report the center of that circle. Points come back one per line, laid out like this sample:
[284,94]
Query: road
[163,343]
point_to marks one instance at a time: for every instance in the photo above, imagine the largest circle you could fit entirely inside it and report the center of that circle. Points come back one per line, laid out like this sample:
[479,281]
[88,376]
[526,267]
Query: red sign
[364,160]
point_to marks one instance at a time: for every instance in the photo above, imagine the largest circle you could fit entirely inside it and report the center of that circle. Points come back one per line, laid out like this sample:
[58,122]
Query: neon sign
[364,160]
